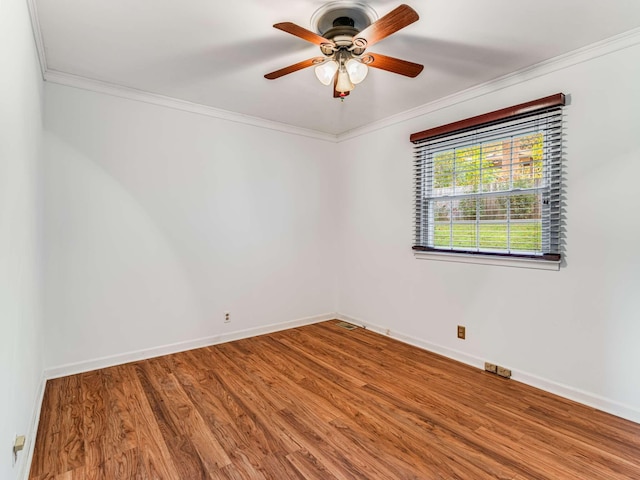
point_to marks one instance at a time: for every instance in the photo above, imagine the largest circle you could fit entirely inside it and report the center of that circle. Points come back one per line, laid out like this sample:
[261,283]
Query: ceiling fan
[347,30]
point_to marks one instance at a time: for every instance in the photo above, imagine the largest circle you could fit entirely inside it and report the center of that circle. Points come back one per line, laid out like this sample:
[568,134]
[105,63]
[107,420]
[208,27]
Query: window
[491,185]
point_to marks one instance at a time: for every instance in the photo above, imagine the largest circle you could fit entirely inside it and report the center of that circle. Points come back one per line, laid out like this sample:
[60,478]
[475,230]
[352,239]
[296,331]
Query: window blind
[492,184]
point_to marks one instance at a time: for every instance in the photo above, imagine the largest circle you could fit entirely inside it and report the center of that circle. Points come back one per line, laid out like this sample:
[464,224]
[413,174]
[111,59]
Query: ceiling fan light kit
[326,71]
[345,30]
[357,70]
[343,82]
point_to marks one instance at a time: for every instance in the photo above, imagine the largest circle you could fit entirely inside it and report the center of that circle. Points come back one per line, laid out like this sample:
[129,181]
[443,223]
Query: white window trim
[479,259]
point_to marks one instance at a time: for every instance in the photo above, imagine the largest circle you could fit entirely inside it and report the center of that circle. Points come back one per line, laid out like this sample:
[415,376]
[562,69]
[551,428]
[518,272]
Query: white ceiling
[215,53]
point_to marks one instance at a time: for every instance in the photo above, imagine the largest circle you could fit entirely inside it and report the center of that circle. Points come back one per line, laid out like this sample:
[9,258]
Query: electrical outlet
[504,372]
[227,317]
[18,446]
[462,332]
[490,367]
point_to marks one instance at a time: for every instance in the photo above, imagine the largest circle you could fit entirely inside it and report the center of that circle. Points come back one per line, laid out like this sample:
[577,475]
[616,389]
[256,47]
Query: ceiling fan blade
[393,21]
[395,65]
[302,33]
[294,68]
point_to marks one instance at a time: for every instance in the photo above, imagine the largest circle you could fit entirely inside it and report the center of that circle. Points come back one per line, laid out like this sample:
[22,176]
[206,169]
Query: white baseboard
[33,430]
[416,342]
[586,398]
[119,359]
[601,403]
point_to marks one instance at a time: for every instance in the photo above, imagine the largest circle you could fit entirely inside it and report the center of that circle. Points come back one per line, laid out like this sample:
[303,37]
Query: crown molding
[604,47]
[584,54]
[106,88]
[37,36]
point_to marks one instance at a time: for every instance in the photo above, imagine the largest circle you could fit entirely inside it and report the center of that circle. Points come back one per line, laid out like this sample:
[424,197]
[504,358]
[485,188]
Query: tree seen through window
[487,196]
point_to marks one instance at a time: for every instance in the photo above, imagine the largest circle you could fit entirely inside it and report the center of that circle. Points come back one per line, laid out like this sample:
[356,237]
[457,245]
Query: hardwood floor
[320,402]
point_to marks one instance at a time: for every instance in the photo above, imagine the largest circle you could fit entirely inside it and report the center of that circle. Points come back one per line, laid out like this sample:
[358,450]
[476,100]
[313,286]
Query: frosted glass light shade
[344,84]
[357,71]
[325,71]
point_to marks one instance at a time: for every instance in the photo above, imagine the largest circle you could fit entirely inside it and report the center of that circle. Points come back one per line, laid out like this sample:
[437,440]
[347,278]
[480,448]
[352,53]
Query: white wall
[158,221]
[20,246]
[574,331]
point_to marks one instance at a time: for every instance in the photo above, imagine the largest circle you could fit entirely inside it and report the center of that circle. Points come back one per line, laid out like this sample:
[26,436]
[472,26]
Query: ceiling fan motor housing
[344,22]
[357,15]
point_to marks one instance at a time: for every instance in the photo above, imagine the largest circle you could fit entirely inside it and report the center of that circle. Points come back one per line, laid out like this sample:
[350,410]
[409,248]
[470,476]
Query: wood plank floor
[320,402]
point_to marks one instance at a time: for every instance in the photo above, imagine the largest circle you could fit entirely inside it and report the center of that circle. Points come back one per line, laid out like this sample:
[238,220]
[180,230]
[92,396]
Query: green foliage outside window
[507,165]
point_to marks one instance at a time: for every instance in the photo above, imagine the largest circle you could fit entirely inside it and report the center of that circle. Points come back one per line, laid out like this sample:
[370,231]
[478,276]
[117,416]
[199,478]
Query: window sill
[489,260]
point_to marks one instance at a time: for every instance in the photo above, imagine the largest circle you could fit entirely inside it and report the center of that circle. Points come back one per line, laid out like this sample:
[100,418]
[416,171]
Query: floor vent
[346,326]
